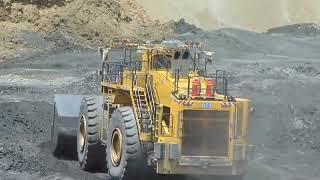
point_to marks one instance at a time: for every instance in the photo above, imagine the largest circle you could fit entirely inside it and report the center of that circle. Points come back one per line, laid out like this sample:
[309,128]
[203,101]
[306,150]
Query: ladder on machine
[151,96]
[141,105]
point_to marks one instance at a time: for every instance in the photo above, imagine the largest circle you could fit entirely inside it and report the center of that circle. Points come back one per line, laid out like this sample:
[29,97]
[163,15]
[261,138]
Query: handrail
[115,75]
[220,87]
[152,102]
[150,93]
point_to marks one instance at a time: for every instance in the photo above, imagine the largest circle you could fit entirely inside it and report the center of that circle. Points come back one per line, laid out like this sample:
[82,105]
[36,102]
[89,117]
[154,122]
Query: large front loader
[159,109]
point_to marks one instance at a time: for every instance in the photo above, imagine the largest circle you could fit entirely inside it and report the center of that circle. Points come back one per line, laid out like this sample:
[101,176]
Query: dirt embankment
[86,22]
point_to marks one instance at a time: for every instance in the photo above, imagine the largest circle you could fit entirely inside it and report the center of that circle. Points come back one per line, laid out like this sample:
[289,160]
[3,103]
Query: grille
[205,133]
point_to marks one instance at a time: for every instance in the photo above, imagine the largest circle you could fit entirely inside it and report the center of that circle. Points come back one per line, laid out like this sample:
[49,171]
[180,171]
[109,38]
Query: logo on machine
[206,105]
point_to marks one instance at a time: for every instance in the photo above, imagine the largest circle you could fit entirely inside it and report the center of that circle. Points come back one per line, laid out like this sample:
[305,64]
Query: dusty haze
[249,14]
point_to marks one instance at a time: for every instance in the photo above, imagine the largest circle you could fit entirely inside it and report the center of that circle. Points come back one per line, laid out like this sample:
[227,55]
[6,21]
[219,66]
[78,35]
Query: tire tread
[92,159]
[133,144]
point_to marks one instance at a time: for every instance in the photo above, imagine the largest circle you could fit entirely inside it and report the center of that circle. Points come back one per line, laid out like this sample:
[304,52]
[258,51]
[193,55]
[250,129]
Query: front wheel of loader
[124,155]
[90,150]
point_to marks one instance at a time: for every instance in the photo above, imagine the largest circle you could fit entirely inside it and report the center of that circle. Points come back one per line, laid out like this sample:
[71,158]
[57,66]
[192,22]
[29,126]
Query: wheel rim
[83,133]
[116,147]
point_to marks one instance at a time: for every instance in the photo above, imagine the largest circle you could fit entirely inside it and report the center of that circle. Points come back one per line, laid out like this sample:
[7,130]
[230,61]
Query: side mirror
[100,50]
[99,72]
[208,57]
[104,53]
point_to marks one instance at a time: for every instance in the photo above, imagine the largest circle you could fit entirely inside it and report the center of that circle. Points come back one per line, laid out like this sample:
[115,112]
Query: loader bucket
[64,124]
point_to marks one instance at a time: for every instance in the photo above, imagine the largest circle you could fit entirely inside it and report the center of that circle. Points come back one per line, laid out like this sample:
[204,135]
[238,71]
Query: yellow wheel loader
[160,109]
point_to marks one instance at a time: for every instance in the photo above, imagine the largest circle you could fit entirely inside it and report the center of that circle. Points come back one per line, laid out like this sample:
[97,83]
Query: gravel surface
[278,71]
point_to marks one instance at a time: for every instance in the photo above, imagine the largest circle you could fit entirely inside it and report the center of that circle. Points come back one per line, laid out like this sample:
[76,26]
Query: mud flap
[65,123]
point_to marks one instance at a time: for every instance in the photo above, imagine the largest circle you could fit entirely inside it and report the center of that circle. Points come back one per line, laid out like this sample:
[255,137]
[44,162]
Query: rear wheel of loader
[124,155]
[90,150]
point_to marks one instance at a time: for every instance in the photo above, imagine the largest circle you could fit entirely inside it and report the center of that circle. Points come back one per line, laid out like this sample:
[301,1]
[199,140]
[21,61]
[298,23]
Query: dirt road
[279,72]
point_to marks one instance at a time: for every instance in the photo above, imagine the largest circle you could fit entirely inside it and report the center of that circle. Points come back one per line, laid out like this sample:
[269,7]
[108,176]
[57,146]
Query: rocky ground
[279,70]
[27,86]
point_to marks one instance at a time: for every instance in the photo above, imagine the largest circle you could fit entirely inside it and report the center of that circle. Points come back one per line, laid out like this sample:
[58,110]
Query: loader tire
[91,152]
[124,155]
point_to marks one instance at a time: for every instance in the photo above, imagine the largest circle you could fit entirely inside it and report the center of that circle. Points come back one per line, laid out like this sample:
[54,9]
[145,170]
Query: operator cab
[181,57]
[186,64]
